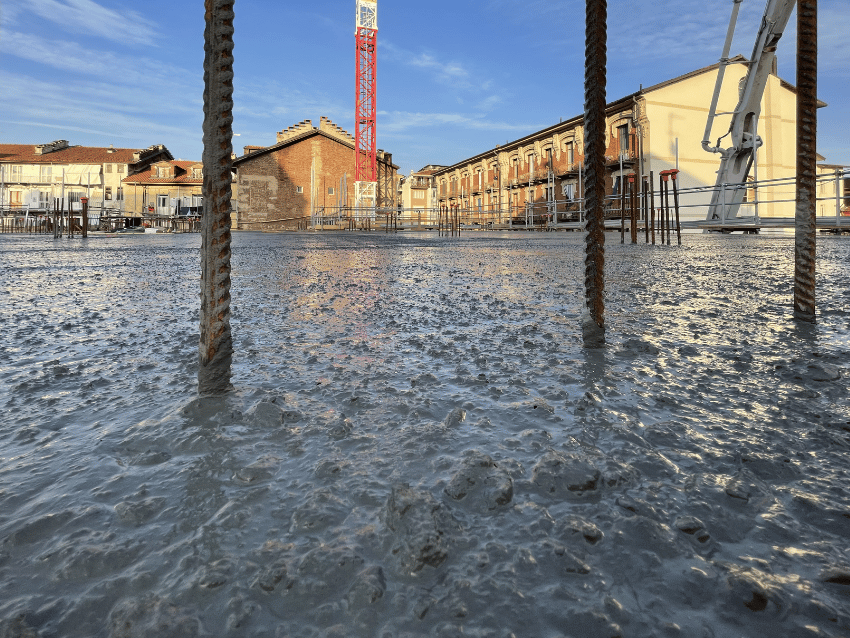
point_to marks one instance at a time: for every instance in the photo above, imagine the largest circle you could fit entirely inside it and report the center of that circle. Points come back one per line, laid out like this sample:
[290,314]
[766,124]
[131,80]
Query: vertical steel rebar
[676,207]
[622,203]
[805,228]
[84,218]
[652,205]
[215,347]
[644,207]
[633,216]
[595,63]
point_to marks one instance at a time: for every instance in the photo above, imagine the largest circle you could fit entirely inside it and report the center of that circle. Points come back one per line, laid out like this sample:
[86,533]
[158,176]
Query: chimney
[44,149]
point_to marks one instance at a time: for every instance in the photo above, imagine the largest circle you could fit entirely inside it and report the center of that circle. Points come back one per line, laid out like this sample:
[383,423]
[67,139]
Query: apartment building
[33,176]
[654,129]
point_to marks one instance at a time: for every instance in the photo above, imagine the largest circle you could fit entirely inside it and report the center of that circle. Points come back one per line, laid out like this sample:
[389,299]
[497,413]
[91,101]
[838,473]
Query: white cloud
[489,103]
[91,18]
[96,108]
[447,72]
[399,121]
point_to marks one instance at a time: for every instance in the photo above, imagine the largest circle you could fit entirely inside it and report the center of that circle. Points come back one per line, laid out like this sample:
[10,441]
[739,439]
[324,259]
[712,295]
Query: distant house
[307,174]
[419,189]
[169,187]
[33,176]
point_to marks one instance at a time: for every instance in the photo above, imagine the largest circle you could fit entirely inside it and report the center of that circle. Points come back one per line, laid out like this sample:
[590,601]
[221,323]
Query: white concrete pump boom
[737,159]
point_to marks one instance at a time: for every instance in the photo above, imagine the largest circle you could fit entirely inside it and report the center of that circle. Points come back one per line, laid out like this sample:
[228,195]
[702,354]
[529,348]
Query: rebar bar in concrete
[805,228]
[593,324]
[215,347]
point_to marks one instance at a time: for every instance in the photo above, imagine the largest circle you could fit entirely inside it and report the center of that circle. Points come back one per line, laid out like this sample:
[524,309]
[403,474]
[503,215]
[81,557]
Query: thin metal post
[633,216]
[838,198]
[676,205]
[755,173]
[595,71]
[622,204]
[652,206]
[84,218]
[215,347]
[805,228]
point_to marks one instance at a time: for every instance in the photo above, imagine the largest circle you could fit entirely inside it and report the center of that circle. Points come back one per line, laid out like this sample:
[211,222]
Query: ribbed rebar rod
[595,61]
[215,348]
[805,229]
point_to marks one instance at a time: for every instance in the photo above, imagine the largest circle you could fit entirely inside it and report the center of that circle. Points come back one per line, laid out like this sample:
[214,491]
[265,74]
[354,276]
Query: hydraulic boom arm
[737,159]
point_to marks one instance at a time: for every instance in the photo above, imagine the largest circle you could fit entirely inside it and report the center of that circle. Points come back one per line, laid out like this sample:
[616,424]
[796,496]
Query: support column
[805,226]
[215,348]
[593,315]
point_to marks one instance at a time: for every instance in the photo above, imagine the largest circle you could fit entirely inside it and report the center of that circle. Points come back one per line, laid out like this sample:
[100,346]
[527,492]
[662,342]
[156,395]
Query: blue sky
[454,78]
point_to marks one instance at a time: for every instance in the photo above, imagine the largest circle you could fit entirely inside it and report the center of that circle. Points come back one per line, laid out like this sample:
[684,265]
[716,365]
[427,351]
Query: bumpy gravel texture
[417,444]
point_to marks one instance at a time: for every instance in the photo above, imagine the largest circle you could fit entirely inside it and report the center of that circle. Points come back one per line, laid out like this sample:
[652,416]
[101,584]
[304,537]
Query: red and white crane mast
[365,132]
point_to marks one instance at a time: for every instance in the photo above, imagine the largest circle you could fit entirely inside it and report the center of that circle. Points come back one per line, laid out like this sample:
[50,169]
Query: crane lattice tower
[365,133]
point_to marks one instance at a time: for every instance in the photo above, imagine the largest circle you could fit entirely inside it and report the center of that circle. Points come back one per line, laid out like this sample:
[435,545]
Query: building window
[331,190]
[107,193]
[570,155]
[16,198]
[45,173]
[108,168]
[197,173]
[568,190]
[623,134]
[197,201]
[119,195]
[120,168]
[44,199]
[17,171]
[299,189]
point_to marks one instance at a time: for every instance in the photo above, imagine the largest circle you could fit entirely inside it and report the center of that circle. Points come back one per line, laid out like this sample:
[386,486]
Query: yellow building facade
[658,128]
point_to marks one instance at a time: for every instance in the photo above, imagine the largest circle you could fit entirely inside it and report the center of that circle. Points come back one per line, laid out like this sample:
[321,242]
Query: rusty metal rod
[805,229]
[633,209]
[676,205]
[652,205]
[84,219]
[215,347]
[595,72]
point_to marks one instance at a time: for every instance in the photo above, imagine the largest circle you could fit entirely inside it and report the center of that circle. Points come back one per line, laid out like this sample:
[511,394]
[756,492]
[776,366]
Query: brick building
[306,176]
[31,177]
[657,128]
[165,186]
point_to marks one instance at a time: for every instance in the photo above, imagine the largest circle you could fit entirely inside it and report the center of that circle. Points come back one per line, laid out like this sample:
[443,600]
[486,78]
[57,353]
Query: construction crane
[737,159]
[365,134]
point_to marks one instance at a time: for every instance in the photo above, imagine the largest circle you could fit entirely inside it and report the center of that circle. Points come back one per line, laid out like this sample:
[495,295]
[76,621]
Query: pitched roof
[25,154]
[262,150]
[183,175]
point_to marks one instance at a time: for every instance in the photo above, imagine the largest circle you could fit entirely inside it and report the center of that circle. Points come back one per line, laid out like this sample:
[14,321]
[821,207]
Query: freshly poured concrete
[418,445]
